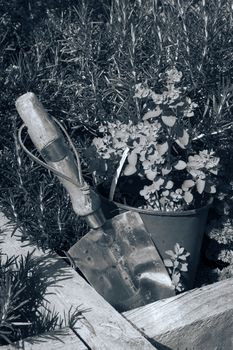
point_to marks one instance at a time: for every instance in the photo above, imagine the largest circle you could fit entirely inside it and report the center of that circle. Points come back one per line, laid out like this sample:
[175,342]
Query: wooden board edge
[198,319]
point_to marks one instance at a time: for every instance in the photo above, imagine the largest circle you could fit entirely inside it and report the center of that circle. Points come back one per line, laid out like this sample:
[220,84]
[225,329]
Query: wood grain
[201,319]
[67,340]
[102,327]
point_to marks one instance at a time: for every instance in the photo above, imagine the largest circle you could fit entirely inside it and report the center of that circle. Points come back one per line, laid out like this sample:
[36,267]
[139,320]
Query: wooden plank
[199,319]
[102,327]
[67,340]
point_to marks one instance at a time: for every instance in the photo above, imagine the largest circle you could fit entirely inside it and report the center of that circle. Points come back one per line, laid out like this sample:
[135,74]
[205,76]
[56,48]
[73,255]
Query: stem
[157,196]
[219,131]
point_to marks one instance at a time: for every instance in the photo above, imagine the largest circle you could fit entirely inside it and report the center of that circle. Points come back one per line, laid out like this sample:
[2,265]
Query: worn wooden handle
[50,142]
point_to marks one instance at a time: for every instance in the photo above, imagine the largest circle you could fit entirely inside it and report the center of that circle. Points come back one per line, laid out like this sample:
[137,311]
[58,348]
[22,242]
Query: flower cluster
[160,148]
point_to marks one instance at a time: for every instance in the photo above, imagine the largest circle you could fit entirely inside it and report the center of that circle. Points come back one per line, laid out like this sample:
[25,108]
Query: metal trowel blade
[122,263]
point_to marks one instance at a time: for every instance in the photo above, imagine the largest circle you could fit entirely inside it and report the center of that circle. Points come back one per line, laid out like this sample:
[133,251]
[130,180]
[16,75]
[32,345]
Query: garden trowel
[116,256]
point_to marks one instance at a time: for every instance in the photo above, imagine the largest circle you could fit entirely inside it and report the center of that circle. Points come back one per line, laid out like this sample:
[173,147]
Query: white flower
[141,90]
[173,76]
[157,98]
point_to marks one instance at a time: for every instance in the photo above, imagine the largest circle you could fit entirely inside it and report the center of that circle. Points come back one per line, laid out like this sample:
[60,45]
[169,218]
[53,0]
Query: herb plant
[177,265]
[160,149]
[23,310]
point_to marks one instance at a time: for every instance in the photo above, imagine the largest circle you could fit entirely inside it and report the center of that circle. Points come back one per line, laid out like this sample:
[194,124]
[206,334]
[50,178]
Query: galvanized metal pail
[168,228]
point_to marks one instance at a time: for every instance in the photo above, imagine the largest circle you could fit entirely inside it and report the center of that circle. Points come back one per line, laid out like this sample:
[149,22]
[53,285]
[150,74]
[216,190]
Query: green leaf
[182,257]
[200,185]
[177,248]
[165,194]
[187,184]
[170,253]
[188,197]
[210,188]
[179,287]
[214,171]
[184,267]
[169,185]
[183,140]
[21,304]
[169,120]
[152,114]
[163,148]
[179,104]
[132,158]
[176,278]
[166,170]
[150,174]
[168,262]
[180,165]
[129,170]
[21,323]
[181,250]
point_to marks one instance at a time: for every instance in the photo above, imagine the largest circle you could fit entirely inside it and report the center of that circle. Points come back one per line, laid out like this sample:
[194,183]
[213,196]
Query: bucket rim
[165,213]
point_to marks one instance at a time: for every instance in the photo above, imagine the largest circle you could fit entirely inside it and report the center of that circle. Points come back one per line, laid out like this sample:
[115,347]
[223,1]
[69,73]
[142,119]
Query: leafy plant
[177,265]
[22,299]
[23,307]
[160,149]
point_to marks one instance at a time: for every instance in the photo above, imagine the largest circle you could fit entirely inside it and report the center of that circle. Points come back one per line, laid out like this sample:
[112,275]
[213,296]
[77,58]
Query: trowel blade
[121,262]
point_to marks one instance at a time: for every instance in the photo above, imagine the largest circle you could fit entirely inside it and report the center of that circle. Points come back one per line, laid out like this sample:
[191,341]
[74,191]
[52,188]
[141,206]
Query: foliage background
[23,310]
[82,59]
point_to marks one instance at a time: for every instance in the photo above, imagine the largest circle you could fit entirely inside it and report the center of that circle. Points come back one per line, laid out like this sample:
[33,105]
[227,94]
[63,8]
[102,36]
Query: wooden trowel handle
[51,144]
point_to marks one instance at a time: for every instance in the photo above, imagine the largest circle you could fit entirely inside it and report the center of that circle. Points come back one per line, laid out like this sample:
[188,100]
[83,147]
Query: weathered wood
[67,340]
[200,319]
[102,327]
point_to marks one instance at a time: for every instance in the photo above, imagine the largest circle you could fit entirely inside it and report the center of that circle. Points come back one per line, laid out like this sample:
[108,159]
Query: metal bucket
[168,228]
